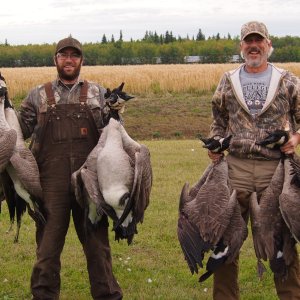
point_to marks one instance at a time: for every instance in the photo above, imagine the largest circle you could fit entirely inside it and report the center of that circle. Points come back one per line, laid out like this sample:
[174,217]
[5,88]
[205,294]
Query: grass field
[171,107]
[153,267]
[140,80]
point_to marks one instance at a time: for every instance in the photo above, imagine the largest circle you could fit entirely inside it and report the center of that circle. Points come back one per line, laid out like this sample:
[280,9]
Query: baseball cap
[68,42]
[254,27]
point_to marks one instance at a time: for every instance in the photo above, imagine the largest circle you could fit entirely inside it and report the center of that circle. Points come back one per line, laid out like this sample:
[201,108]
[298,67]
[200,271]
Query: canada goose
[271,237]
[120,184]
[23,172]
[289,201]
[216,145]
[209,219]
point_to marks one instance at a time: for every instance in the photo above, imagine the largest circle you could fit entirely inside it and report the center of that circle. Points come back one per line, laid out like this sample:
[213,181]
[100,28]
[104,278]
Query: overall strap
[83,92]
[49,93]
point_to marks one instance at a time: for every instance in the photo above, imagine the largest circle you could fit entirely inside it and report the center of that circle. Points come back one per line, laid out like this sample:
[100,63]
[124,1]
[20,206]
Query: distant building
[192,59]
[235,59]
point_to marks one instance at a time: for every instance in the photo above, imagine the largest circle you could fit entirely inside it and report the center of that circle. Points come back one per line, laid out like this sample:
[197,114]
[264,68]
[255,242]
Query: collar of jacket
[59,81]
[234,77]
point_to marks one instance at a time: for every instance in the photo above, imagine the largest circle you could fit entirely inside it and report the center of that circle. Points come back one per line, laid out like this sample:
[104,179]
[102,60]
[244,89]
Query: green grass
[172,116]
[153,267]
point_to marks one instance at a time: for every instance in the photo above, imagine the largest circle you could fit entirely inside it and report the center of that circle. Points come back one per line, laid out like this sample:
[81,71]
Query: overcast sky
[47,21]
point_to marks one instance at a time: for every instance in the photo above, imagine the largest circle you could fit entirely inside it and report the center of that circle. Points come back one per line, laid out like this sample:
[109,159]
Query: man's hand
[215,157]
[290,146]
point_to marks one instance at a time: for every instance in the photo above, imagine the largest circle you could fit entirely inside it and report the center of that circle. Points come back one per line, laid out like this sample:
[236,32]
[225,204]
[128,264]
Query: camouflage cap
[254,27]
[68,42]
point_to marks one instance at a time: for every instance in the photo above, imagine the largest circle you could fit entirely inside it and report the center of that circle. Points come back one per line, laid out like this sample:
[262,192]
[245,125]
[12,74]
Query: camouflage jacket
[232,116]
[36,103]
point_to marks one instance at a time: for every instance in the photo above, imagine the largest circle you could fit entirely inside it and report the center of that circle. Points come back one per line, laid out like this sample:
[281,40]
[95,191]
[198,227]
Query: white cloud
[36,21]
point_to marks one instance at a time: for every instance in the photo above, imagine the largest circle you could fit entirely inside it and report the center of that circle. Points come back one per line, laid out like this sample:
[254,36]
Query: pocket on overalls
[59,130]
[80,126]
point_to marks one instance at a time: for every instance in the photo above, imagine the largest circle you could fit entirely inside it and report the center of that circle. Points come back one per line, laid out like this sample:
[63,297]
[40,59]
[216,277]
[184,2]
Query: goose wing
[236,232]
[92,195]
[8,140]
[258,239]
[195,189]
[212,207]
[91,165]
[268,215]
[142,183]
[191,242]
[295,169]
[27,171]
[289,202]
[16,205]
[227,248]
[192,245]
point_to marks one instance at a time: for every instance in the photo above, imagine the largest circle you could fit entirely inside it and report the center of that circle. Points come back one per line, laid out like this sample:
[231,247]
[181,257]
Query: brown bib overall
[69,135]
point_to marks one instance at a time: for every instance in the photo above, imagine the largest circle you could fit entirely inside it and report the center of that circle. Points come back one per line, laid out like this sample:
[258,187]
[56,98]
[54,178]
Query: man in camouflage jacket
[64,118]
[250,102]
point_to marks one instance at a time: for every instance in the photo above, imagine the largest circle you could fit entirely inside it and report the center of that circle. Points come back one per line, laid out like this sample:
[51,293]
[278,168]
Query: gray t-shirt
[255,88]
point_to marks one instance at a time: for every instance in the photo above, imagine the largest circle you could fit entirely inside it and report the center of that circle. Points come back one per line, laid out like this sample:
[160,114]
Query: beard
[255,62]
[67,75]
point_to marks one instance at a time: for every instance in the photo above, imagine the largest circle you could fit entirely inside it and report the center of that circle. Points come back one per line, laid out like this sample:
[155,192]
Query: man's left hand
[291,145]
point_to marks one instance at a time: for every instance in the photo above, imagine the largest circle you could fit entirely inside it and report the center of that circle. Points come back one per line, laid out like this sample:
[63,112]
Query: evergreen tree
[200,36]
[121,36]
[156,38]
[104,39]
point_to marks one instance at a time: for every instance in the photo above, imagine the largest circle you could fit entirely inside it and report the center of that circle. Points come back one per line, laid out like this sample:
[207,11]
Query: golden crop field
[139,79]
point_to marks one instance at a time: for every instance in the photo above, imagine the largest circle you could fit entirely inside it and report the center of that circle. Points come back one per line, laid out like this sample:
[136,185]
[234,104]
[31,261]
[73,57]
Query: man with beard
[250,102]
[64,118]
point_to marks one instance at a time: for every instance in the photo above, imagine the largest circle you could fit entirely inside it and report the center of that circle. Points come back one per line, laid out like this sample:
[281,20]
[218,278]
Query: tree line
[151,49]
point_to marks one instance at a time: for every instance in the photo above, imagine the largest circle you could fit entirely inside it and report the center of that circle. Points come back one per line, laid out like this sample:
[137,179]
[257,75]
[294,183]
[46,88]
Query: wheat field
[139,79]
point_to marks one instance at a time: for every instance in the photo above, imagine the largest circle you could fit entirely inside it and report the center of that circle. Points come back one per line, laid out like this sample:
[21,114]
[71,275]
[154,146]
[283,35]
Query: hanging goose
[120,184]
[209,219]
[290,193]
[23,183]
[271,238]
